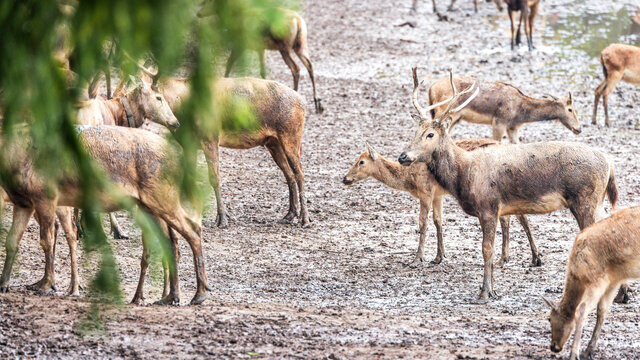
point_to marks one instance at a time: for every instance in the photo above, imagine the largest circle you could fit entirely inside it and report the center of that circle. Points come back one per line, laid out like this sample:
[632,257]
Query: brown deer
[290,39]
[141,164]
[414,6]
[528,11]
[619,62]
[510,179]
[504,107]
[604,256]
[280,113]
[418,181]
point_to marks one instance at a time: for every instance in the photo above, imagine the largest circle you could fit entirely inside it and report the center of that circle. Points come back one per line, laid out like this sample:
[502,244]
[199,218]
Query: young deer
[604,255]
[503,106]
[418,181]
[619,62]
[280,113]
[510,179]
[288,40]
[142,165]
[528,10]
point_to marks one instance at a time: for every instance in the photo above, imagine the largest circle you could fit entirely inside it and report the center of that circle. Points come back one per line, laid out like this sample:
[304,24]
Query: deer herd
[488,179]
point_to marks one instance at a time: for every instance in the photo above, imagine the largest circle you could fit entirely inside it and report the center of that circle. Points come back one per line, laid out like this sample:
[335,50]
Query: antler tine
[144,69]
[456,97]
[453,85]
[471,97]
[414,97]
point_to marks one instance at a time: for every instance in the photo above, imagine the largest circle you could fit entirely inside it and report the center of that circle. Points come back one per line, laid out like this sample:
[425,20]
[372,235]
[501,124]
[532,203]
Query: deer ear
[570,97]
[550,303]
[416,118]
[372,152]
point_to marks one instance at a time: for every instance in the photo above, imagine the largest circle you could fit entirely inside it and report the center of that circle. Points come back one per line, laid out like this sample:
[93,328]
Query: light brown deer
[142,165]
[414,6]
[510,179]
[503,106]
[528,10]
[418,181]
[280,113]
[619,62]
[604,256]
[289,40]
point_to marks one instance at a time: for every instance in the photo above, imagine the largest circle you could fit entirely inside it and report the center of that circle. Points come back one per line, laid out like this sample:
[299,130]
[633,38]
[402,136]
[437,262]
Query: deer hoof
[288,219]
[486,295]
[222,221]
[305,222]
[4,289]
[623,296]
[119,235]
[417,261]
[537,262]
[74,293]
[437,260]
[502,261]
[168,300]
[319,107]
[137,300]
[198,299]
[43,287]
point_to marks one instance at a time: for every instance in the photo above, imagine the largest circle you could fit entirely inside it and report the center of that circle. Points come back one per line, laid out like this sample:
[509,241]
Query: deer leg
[281,160]
[475,5]
[295,70]
[211,152]
[45,214]
[19,224]
[232,59]
[488,224]
[450,8]
[498,132]
[577,335]
[519,26]
[612,80]
[623,296]
[303,54]
[535,256]
[513,29]
[435,10]
[292,153]
[598,94]
[533,11]
[65,216]
[437,221]
[513,135]
[504,224]
[603,310]
[262,56]
[138,297]
[192,232]
[414,6]
[422,223]
[117,231]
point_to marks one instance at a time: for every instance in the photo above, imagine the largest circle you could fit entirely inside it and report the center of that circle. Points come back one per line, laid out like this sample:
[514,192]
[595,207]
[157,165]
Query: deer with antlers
[420,183]
[619,62]
[512,179]
[604,256]
[288,40]
[503,106]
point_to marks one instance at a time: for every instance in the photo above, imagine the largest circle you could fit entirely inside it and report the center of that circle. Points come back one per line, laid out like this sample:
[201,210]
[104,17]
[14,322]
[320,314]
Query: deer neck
[574,291]
[392,174]
[447,164]
[534,110]
[132,113]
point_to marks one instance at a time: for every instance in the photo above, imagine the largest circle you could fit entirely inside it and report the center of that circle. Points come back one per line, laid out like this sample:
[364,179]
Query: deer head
[566,113]
[562,324]
[364,167]
[432,134]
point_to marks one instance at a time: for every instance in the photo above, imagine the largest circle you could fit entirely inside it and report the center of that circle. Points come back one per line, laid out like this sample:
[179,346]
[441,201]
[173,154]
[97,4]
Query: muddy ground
[341,289]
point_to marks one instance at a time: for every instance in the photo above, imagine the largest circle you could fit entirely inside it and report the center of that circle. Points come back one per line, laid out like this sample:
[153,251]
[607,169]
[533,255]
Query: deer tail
[604,68]
[300,43]
[612,190]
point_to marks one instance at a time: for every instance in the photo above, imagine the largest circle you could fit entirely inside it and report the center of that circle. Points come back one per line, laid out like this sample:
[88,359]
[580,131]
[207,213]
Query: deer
[619,62]
[604,256]
[280,113]
[511,179]
[418,181]
[143,166]
[289,39]
[414,6]
[504,107]
[528,10]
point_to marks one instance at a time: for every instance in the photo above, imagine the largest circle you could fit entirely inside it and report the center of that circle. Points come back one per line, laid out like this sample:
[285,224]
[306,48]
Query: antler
[144,69]
[416,85]
[456,96]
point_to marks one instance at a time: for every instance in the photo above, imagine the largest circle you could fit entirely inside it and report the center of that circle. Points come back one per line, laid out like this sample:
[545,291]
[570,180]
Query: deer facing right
[604,256]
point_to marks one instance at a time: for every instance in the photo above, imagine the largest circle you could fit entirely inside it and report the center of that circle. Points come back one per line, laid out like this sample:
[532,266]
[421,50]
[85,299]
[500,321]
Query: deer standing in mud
[619,62]
[503,106]
[604,256]
[418,181]
[280,113]
[292,39]
[510,179]
[142,165]
[528,10]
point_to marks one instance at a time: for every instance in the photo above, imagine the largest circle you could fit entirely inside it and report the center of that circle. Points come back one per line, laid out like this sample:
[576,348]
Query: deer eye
[430,135]
[159,98]
[570,110]
[361,162]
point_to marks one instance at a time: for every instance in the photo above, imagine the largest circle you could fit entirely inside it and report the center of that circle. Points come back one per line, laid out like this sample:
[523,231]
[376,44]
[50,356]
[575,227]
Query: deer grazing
[510,179]
[528,11]
[142,165]
[280,113]
[619,62]
[418,181]
[503,106]
[289,40]
[604,256]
